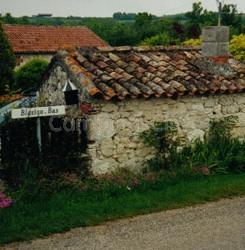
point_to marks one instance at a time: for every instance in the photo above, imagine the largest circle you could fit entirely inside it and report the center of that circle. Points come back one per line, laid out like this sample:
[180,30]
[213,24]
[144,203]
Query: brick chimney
[216,43]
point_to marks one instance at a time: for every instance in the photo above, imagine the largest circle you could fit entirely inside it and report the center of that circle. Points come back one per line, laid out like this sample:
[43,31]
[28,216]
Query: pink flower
[5,201]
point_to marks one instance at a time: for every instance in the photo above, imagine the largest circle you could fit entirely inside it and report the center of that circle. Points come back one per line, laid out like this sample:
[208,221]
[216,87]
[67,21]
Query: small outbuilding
[124,90]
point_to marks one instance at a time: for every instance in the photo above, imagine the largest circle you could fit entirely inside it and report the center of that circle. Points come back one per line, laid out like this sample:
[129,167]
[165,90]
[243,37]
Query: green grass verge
[68,209]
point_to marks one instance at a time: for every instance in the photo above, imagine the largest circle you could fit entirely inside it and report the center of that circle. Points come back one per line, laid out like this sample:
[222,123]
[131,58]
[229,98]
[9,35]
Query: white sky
[104,7]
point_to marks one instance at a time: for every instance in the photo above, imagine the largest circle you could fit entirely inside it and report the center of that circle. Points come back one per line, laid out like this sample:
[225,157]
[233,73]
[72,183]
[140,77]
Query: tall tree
[9,19]
[195,19]
[7,62]
[231,17]
[143,25]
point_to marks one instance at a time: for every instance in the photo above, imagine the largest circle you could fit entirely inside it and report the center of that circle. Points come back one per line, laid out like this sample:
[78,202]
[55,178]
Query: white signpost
[38,112]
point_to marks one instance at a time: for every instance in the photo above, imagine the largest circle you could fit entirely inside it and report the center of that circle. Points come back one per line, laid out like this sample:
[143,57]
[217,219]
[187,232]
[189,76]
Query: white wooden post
[38,112]
[39,135]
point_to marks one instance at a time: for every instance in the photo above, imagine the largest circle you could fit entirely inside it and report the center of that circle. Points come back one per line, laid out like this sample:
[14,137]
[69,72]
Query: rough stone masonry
[115,128]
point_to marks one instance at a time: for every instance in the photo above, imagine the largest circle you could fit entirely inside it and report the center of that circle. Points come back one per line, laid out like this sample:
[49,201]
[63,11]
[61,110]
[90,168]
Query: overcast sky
[104,7]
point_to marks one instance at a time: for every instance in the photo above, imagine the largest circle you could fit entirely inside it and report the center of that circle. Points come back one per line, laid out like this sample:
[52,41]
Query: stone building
[44,41]
[124,90]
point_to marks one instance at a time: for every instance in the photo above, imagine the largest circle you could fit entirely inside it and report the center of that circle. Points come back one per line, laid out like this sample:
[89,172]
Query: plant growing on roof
[7,62]
[161,39]
[193,42]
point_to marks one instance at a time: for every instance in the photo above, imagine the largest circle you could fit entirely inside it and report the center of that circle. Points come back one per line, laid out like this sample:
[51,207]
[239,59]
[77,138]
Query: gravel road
[219,225]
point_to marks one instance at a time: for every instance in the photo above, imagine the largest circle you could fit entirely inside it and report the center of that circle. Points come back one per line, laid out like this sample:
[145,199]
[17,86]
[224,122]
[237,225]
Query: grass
[68,209]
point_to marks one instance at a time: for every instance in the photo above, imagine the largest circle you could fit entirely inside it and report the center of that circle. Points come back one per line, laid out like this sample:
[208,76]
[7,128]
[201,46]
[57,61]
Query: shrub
[237,47]
[218,151]
[163,137]
[161,39]
[218,148]
[193,42]
[30,74]
[7,63]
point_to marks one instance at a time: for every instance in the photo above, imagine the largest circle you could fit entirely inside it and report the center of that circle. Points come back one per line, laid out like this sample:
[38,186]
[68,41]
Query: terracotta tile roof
[49,39]
[157,71]
[10,98]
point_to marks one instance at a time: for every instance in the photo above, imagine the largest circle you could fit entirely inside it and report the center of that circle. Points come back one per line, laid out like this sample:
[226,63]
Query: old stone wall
[114,130]
[51,90]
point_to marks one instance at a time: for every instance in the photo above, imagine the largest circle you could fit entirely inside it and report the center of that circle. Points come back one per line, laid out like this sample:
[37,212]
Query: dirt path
[219,225]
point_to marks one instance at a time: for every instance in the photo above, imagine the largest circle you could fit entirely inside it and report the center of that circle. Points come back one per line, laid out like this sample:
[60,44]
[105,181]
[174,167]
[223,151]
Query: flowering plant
[5,201]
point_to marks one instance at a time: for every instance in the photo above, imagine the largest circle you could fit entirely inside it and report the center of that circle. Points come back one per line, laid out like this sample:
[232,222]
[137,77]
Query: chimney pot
[215,41]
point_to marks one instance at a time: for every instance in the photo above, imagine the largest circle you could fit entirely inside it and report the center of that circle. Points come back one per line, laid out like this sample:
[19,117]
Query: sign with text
[37,112]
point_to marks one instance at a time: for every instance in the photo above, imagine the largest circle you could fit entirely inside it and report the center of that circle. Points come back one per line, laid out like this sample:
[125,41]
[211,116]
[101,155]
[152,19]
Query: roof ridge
[109,48]
[44,25]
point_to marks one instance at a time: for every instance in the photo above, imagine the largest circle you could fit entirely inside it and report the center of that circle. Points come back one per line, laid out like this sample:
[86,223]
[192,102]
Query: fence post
[39,136]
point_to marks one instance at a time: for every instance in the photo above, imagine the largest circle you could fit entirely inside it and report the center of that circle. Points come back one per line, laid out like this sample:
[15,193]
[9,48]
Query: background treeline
[144,28]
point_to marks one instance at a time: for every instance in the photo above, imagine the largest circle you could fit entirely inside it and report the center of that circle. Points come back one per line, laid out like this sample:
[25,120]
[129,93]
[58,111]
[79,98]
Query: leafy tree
[178,29]
[229,14]
[144,25]
[199,17]
[30,74]
[230,17]
[124,34]
[124,16]
[24,20]
[131,28]
[195,18]
[7,62]
[9,19]
[143,19]
[209,18]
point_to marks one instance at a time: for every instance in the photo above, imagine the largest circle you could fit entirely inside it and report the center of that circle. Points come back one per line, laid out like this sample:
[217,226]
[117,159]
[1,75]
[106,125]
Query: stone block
[212,49]
[241,117]
[210,102]
[215,34]
[223,49]
[209,49]
[198,107]
[226,100]
[122,124]
[239,132]
[99,167]
[110,107]
[179,108]
[240,99]
[122,158]
[100,126]
[233,109]
[107,147]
